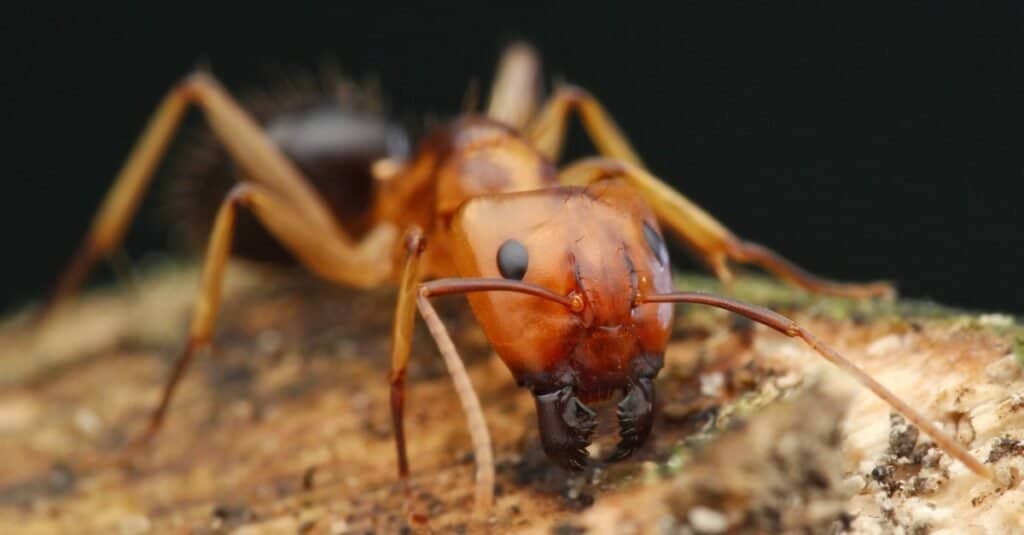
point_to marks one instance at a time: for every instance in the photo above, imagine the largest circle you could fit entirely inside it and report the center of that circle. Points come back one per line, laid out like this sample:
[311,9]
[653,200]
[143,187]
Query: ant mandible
[566,271]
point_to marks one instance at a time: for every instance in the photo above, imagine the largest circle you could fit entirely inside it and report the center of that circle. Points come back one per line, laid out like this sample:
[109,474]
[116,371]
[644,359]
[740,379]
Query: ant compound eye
[513,260]
[656,244]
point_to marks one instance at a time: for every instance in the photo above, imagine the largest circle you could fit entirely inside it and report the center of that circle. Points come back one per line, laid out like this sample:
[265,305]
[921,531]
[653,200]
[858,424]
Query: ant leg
[709,238]
[714,243]
[261,160]
[319,252]
[516,87]
[790,328]
[401,339]
[410,297]
[484,492]
[547,131]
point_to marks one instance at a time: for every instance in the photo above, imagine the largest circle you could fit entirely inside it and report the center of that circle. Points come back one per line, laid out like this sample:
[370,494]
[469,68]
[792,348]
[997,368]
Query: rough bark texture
[284,426]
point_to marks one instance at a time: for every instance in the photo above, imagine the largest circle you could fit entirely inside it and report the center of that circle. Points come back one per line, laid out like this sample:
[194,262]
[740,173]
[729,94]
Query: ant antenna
[790,328]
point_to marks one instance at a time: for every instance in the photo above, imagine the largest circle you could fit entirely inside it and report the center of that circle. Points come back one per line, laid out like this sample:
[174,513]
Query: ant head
[601,248]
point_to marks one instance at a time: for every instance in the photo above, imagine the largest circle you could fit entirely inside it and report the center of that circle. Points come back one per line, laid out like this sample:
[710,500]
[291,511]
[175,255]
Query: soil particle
[902,436]
[568,528]
[231,515]
[1005,446]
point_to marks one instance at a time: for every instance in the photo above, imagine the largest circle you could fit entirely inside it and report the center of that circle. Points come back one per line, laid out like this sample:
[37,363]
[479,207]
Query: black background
[868,142]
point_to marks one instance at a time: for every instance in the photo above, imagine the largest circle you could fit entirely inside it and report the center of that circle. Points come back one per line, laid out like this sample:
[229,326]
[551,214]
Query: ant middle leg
[548,129]
[711,240]
[367,265]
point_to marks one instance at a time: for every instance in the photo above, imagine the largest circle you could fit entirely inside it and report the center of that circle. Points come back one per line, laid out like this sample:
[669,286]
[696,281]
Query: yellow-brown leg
[411,297]
[319,252]
[516,89]
[261,161]
[714,243]
[401,339]
[547,131]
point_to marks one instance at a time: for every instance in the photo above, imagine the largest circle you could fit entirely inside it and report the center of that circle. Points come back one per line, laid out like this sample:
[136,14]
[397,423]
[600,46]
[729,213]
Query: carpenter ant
[566,270]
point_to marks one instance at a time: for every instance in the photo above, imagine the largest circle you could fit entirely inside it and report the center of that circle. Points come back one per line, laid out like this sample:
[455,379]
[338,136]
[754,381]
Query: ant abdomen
[333,132]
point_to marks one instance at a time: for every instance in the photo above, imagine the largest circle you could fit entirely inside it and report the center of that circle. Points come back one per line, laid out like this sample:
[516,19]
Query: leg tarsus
[68,283]
[398,421]
[774,263]
[720,267]
[156,419]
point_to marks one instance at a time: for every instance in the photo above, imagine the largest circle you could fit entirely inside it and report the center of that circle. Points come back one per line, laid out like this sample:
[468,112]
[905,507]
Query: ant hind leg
[241,135]
[702,233]
[710,239]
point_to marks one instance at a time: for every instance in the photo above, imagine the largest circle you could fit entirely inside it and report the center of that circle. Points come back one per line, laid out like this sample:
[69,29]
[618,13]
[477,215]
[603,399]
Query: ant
[566,270]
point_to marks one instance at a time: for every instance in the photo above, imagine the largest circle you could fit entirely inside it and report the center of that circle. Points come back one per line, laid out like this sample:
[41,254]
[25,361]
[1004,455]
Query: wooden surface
[283,427]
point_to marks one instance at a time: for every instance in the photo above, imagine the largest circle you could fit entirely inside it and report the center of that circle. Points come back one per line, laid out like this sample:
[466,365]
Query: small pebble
[61,478]
[885,345]
[649,471]
[270,341]
[706,520]
[711,384]
[789,381]
[87,422]
[853,484]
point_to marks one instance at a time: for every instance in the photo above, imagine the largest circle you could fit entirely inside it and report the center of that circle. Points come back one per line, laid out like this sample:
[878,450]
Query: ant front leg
[412,295]
[401,340]
[711,240]
[262,162]
[322,253]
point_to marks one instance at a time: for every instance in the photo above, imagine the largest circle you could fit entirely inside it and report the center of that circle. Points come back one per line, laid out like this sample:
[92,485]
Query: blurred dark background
[866,142]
